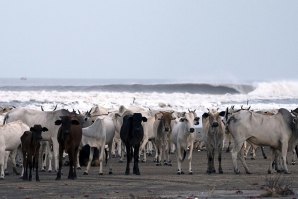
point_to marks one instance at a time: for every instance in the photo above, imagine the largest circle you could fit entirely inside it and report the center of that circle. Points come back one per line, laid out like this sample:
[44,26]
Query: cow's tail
[184,155]
[5,118]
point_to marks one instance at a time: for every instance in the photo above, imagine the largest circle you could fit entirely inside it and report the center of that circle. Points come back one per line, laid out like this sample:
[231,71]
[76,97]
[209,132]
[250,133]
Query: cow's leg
[75,159]
[109,165]
[128,158]
[136,169]
[219,161]
[212,163]
[2,160]
[30,162]
[78,158]
[12,156]
[234,153]
[122,151]
[142,148]
[209,157]
[271,157]
[263,152]
[36,165]
[190,158]
[242,159]
[71,163]
[56,153]
[179,160]
[294,156]
[24,166]
[89,161]
[100,158]
[284,150]
[159,151]
[61,149]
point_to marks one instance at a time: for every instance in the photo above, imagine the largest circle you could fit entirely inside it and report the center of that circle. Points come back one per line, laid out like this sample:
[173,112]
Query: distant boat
[23,78]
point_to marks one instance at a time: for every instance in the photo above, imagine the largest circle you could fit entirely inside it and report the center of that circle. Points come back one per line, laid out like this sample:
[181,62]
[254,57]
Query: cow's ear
[144,119]
[58,122]
[32,129]
[222,113]
[75,122]
[205,115]
[173,118]
[44,129]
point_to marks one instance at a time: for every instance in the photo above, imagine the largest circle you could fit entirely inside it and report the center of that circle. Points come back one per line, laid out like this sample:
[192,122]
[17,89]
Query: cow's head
[66,122]
[214,117]
[165,119]
[190,120]
[36,131]
[137,120]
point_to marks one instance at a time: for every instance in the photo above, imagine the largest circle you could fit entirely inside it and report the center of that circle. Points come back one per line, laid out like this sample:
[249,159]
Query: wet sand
[154,181]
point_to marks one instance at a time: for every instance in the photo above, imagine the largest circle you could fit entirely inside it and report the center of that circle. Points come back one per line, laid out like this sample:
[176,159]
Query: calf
[214,130]
[30,148]
[131,134]
[69,138]
[183,137]
[162,129]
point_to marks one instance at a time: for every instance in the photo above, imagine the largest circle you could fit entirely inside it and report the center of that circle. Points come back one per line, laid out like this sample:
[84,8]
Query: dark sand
[154,181]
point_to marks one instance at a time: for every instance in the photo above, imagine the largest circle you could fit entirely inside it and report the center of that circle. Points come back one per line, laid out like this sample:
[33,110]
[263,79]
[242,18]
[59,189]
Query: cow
[100,133]
[183,138]
[162,129]
[30,147]
[69,138]
[275,131]
[214,130]
[46,119]
[10,135]
[149,134]
[131,134]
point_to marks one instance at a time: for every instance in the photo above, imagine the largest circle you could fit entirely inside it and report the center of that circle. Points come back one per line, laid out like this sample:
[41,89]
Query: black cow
[69,138]
[132,134]
[30,148]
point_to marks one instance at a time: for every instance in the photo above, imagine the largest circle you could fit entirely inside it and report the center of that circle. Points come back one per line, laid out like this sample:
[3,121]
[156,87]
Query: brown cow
[69,138]
[30,147]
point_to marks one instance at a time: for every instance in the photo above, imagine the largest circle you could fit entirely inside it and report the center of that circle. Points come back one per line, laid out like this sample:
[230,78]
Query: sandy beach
[154,181]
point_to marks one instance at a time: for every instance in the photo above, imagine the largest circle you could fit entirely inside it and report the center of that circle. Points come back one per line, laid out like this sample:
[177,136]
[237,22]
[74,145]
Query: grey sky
[231,40]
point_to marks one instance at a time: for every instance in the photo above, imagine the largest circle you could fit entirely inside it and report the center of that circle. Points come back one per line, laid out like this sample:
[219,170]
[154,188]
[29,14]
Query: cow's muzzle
[215,124]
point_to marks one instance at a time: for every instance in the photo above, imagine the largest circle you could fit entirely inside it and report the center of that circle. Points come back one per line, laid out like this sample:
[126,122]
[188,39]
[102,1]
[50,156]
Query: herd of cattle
[133,130]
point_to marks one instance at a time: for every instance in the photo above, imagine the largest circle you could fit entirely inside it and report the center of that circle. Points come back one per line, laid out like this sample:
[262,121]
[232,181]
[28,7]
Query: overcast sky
[230,40]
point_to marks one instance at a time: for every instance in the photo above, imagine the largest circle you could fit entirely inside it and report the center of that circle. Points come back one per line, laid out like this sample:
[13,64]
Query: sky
[224,40]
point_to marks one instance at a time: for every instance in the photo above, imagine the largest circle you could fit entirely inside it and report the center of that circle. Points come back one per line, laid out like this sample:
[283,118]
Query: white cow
[10,140]
[99,134]
[149,133]
[183,138]
[275,131]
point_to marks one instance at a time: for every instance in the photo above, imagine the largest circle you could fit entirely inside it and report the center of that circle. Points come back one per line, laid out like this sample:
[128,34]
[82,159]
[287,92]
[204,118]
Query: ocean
[82,94]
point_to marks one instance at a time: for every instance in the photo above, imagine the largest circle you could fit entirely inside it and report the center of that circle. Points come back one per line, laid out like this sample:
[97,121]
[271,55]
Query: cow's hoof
[237,171]
[110,172]
[50,171]
[265,157]
[158,164]
[143,161]
[1,178]
[287,172]
[85,173]
[42,170]
[120,161]
[58,178]
[248,172]
[100,174]
[190,173]
[79,168]
[220,172]
[178,172]
[252,158]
